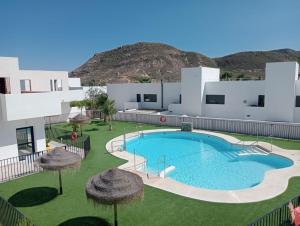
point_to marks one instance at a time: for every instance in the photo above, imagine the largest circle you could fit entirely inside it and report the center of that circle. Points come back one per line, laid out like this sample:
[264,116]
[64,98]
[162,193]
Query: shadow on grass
[33,196]
[91,130]
[98,123]
[86,221]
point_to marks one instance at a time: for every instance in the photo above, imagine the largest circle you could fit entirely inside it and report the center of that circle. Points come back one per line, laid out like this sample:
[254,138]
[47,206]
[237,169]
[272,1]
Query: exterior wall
[123,93]
[238,96]
[74,82]
[193,82]
[40,80]
[33,105]
[280,90]
[18,110]
[191,93]
[8,141]
[297,109]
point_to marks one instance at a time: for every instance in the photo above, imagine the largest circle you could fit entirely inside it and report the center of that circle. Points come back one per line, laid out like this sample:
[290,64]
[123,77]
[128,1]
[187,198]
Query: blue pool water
[204,161]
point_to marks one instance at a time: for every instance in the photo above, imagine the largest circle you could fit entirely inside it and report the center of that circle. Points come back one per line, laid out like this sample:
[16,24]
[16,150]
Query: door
[25,141]
[138,98]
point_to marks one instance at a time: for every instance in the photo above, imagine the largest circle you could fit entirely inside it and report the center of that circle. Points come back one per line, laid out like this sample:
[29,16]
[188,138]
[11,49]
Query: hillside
[154,61]
[252,64]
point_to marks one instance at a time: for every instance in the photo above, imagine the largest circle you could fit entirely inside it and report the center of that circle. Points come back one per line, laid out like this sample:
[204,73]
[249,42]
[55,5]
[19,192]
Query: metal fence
[79,146]
[251,127]
[10,216]
[278,217]
[19,166]
[55,119]
[15,167]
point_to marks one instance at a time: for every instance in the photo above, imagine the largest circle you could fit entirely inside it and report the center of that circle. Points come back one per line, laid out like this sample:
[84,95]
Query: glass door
[25,141]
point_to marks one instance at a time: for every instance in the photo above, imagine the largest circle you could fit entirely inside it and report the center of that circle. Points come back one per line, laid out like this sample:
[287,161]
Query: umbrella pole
[116,214]
[60,183]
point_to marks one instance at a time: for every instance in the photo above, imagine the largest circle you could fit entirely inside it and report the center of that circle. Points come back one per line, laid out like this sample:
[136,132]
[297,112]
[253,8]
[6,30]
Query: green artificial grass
[159,208]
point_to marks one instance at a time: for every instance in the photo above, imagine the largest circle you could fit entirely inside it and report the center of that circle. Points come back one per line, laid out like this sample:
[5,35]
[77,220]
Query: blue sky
[63,34]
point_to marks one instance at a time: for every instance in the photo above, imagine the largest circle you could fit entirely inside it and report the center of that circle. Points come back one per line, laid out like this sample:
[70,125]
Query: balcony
[35,104]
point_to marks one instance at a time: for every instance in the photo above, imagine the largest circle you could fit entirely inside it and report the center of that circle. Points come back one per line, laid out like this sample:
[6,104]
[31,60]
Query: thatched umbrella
[59,159]
[113,187]
[80,120]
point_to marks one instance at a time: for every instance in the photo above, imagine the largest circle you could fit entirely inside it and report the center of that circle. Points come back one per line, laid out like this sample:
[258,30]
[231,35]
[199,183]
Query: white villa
[201,93]
[26,98]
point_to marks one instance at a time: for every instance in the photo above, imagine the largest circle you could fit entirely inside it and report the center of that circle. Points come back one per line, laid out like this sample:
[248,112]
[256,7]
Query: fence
[19,166]
[15,167]
[65,117]
[10,216]
[251,127]
[278,217]
[79,146]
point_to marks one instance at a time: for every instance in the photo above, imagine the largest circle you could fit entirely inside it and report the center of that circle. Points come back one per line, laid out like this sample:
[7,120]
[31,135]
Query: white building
[201,93]
[26,98]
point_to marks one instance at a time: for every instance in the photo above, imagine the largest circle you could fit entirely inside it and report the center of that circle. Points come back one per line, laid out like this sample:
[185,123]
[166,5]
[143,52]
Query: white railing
[252,127]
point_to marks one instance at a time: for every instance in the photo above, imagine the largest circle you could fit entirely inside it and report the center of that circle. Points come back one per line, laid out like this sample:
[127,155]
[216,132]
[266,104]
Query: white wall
[280,90]
[238,95]
[33,105]
[193,82]
[297,109]
[8,141]
[74,82]
[127,92]
[40,80]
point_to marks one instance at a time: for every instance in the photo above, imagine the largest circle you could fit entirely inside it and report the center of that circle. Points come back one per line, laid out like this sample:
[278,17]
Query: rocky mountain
[252,64]
[144,62]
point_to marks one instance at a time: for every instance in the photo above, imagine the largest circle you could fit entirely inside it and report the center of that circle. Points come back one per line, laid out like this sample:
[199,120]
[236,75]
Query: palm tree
[80,104]
[108,108]
[99,102]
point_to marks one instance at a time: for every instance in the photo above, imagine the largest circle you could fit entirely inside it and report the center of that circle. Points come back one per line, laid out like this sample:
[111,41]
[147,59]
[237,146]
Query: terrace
[158,208]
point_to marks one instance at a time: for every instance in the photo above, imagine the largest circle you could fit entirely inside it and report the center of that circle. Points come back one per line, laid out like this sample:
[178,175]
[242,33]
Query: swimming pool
[204,161]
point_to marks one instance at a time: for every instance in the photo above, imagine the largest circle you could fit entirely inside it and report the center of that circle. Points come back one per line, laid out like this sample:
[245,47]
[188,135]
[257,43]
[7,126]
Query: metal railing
[250,127]
[81,145]
[19,166]
[280,216]
[10,216]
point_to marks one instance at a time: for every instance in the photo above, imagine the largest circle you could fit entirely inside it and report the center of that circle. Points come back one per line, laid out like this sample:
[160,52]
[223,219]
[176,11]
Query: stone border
[274,183]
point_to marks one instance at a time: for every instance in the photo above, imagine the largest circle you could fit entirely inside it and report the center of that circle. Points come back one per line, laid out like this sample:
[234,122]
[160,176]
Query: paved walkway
[274,183]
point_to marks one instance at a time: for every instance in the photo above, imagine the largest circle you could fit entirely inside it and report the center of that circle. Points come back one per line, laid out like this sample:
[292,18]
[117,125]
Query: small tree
[80,104]
[109,110]
[92,94]
[226,76]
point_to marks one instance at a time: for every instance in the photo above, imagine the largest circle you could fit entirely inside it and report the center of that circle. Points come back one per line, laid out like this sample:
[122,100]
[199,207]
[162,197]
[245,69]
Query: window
[51,85]
[4,86]
[261,101]
[215,99]
[150,98]
[297,101]
[56,85]
[25,141]
[179,98]
[138,98]
[25,85]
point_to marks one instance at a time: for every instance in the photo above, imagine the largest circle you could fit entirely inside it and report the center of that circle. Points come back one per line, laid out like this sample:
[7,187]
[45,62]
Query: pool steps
[250,150]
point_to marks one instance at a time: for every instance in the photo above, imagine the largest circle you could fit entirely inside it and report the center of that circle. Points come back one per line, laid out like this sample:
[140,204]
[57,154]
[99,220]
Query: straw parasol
[113,187]
[57,160]
[80,120]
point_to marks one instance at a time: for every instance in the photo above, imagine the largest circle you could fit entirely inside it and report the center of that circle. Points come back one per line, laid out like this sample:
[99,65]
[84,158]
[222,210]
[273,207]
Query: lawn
[159,208]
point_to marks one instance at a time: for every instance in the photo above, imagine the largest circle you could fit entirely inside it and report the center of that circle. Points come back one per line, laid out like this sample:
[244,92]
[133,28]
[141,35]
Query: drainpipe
[162,93]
